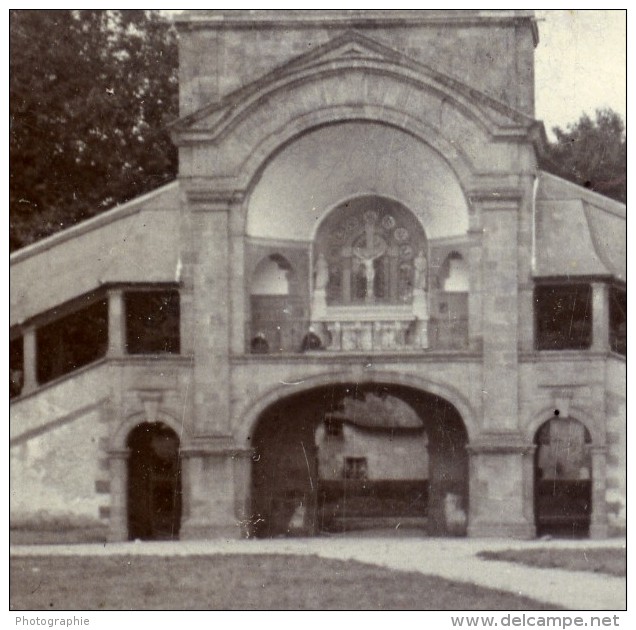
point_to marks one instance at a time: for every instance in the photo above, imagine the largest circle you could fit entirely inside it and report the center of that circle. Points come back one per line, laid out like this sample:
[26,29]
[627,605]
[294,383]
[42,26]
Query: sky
[580,64]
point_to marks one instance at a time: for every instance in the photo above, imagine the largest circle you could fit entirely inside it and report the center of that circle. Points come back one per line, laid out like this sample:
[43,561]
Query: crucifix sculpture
[374,247]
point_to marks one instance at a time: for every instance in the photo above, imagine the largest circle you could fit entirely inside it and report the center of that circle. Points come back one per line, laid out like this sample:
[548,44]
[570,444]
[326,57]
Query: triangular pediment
[350,49]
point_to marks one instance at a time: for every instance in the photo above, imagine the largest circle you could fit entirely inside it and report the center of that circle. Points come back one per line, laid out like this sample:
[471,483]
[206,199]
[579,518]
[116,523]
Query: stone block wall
[231,53]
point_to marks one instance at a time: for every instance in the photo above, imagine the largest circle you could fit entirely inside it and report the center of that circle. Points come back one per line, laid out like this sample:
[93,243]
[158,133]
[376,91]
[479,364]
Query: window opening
[152,322]
[563,315]
[72,341]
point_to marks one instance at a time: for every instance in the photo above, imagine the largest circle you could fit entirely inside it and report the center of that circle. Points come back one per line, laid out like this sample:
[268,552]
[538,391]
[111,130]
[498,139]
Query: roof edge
[606,204]
[118,212]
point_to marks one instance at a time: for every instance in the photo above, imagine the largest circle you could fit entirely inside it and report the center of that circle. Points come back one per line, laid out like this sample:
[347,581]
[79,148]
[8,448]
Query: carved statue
[420,265]
[322,273]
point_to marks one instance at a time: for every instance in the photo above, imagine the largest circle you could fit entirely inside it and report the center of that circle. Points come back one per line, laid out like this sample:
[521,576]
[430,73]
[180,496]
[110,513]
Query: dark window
[72,341]
[563,315]
[16,366]
[355,468]
[618,320]
[333,427]
[152,322]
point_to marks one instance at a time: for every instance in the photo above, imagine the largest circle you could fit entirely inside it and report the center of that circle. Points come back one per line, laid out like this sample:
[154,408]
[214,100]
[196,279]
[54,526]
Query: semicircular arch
[119,438]
[356,156]
[575,413]
[250,417]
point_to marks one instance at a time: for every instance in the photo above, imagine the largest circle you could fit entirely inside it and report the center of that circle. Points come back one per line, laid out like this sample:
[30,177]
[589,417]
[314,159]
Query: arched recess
[563,478]
[317,170]
[153,483]
[359,455]
[276,306]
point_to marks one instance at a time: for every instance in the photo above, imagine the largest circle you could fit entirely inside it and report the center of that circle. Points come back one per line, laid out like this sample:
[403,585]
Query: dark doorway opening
[154,483]
[355,457]
[563,479]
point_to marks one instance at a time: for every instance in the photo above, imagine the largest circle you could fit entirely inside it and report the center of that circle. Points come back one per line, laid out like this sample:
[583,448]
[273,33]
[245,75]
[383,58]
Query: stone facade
[296,126]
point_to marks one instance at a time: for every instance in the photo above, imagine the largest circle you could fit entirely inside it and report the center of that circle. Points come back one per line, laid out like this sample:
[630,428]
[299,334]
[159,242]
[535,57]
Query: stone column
[118,464]
[598,521]
[116,323]
[499,496]
[600,317]
[500,308]
[29,360]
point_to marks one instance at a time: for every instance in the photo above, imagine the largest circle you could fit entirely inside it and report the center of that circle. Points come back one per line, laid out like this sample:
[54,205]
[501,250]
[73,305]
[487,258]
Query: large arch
[359,455]
[246,422]
[354,157]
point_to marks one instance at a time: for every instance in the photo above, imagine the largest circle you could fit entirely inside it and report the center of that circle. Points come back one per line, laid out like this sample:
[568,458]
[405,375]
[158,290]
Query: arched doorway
[563,478]
[154,483]
[359,456]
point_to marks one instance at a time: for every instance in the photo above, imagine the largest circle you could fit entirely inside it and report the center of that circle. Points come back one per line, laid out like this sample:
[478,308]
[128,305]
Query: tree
[90,95]
[592,154]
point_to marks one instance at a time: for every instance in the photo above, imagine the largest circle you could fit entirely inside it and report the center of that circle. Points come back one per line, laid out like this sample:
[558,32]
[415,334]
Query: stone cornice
[299,18]
[500,442]
[497,199]
[201,199]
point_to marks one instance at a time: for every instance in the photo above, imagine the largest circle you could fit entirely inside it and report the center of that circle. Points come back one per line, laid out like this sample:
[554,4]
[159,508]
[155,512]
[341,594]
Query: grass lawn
[238,582]
[610,561]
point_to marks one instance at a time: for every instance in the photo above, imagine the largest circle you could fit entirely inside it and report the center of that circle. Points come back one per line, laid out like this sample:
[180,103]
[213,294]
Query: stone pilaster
[209,480]
[598,521]
[118,465]
[242,489]
[499,213]
[212,323]
[239,303]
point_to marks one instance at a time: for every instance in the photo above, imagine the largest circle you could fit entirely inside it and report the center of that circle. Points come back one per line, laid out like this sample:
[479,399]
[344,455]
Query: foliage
[91,93]
[592,153]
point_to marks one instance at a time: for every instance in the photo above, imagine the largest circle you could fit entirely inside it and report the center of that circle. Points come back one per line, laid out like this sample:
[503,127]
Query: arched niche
[275,304]
[455,274]
[330,164]
[271,276]
[563,478]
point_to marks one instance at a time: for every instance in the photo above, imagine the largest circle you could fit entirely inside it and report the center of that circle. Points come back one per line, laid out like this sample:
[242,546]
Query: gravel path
[454,559]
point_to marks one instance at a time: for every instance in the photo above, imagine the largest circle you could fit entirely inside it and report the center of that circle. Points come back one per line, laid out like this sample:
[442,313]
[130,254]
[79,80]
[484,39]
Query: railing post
[29,361]
[116,323]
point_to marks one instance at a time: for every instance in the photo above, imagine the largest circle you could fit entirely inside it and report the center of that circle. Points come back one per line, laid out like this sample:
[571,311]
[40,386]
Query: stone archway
[359,456]
[563,478]
[153,483]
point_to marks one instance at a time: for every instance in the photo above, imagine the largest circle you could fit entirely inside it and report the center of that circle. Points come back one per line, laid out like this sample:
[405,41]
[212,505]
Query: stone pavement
[453,559]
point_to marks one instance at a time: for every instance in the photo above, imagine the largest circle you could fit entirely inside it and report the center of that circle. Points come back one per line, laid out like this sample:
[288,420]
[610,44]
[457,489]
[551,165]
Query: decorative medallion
[401,235]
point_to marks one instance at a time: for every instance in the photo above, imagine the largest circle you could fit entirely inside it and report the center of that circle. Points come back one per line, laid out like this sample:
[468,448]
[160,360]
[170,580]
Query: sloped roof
[134,242]
[578,232]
